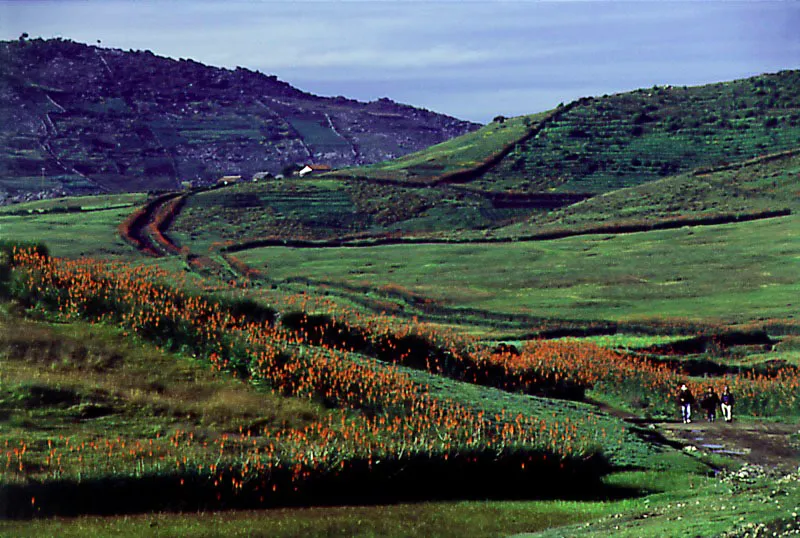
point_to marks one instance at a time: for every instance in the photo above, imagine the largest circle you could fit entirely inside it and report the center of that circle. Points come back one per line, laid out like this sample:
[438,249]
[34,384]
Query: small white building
[313,169]
[228,180]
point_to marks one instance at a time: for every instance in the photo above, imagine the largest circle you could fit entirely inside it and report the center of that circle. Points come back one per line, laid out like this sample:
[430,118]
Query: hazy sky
[473,60]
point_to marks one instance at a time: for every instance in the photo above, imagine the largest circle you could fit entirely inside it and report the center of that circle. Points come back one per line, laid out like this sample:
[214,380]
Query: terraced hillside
[79,119]
[628,139]
[450,157]
[322,209]
[599,144]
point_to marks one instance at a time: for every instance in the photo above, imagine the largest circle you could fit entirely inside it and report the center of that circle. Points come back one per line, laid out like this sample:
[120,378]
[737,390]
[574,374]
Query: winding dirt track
[771,444]
[147,230]
[760,442]
[138,227]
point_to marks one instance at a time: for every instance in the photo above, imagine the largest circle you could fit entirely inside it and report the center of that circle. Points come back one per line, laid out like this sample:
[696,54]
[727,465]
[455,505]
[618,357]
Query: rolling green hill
[627,139]
[599,144]
[765,184]
[455,155]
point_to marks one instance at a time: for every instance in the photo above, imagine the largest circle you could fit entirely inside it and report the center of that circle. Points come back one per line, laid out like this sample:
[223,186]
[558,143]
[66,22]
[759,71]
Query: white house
[313,169]
[228,180]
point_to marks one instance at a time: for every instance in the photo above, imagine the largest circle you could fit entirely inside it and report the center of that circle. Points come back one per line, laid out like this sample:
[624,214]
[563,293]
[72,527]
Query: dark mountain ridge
[79,118]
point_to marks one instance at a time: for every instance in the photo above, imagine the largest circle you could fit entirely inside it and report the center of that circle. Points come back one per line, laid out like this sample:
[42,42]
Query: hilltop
[599,144]
[82,119]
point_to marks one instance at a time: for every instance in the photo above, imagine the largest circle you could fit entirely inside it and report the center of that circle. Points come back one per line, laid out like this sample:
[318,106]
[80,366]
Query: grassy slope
[596,145]
[605,143]
[92,233]
[76,203]
[731,272]
[147,392]
[326,209]
[54,375]
[631,138]
[768,184]
[458,153]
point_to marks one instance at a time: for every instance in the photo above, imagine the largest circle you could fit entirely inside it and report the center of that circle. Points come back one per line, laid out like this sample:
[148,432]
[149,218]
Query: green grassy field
[74,234]
[460,153]
[76,203]
[731,273]
[767,184]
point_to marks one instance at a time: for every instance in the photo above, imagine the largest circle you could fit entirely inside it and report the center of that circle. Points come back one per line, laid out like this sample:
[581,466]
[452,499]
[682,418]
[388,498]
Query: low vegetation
[733,273]
[365,419]
[385,419]
[765,184]
[622,140]
[456,155]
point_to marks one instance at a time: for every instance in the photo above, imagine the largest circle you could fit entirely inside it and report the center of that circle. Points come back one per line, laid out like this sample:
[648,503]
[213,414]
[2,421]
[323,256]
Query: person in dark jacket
[686,400]
[710,403]
[726,404]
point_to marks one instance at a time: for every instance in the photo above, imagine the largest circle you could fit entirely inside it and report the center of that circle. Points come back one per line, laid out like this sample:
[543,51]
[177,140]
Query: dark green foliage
[464,475]
[249,309]
[38,395]
[322,329]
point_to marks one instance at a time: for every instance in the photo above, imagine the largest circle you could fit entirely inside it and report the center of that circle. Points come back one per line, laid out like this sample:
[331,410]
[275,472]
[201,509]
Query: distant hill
[600,144]
[79,119]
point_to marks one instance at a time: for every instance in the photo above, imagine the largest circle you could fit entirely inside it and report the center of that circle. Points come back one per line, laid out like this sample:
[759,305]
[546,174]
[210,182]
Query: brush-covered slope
[329,209]
[82,119]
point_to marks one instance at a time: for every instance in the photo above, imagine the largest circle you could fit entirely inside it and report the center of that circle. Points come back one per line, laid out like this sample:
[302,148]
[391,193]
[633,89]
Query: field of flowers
[383,424]
[386,426]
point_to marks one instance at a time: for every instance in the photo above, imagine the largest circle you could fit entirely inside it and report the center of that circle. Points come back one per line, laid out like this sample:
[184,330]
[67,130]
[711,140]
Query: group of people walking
[708,403]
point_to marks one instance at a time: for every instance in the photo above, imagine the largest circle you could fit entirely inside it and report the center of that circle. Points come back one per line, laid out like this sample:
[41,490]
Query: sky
[469,59]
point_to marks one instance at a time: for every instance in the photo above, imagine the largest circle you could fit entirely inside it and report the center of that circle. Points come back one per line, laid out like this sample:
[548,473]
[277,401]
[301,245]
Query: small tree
[499,119]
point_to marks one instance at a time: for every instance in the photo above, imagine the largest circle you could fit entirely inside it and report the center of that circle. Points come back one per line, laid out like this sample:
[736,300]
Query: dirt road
[771,444]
